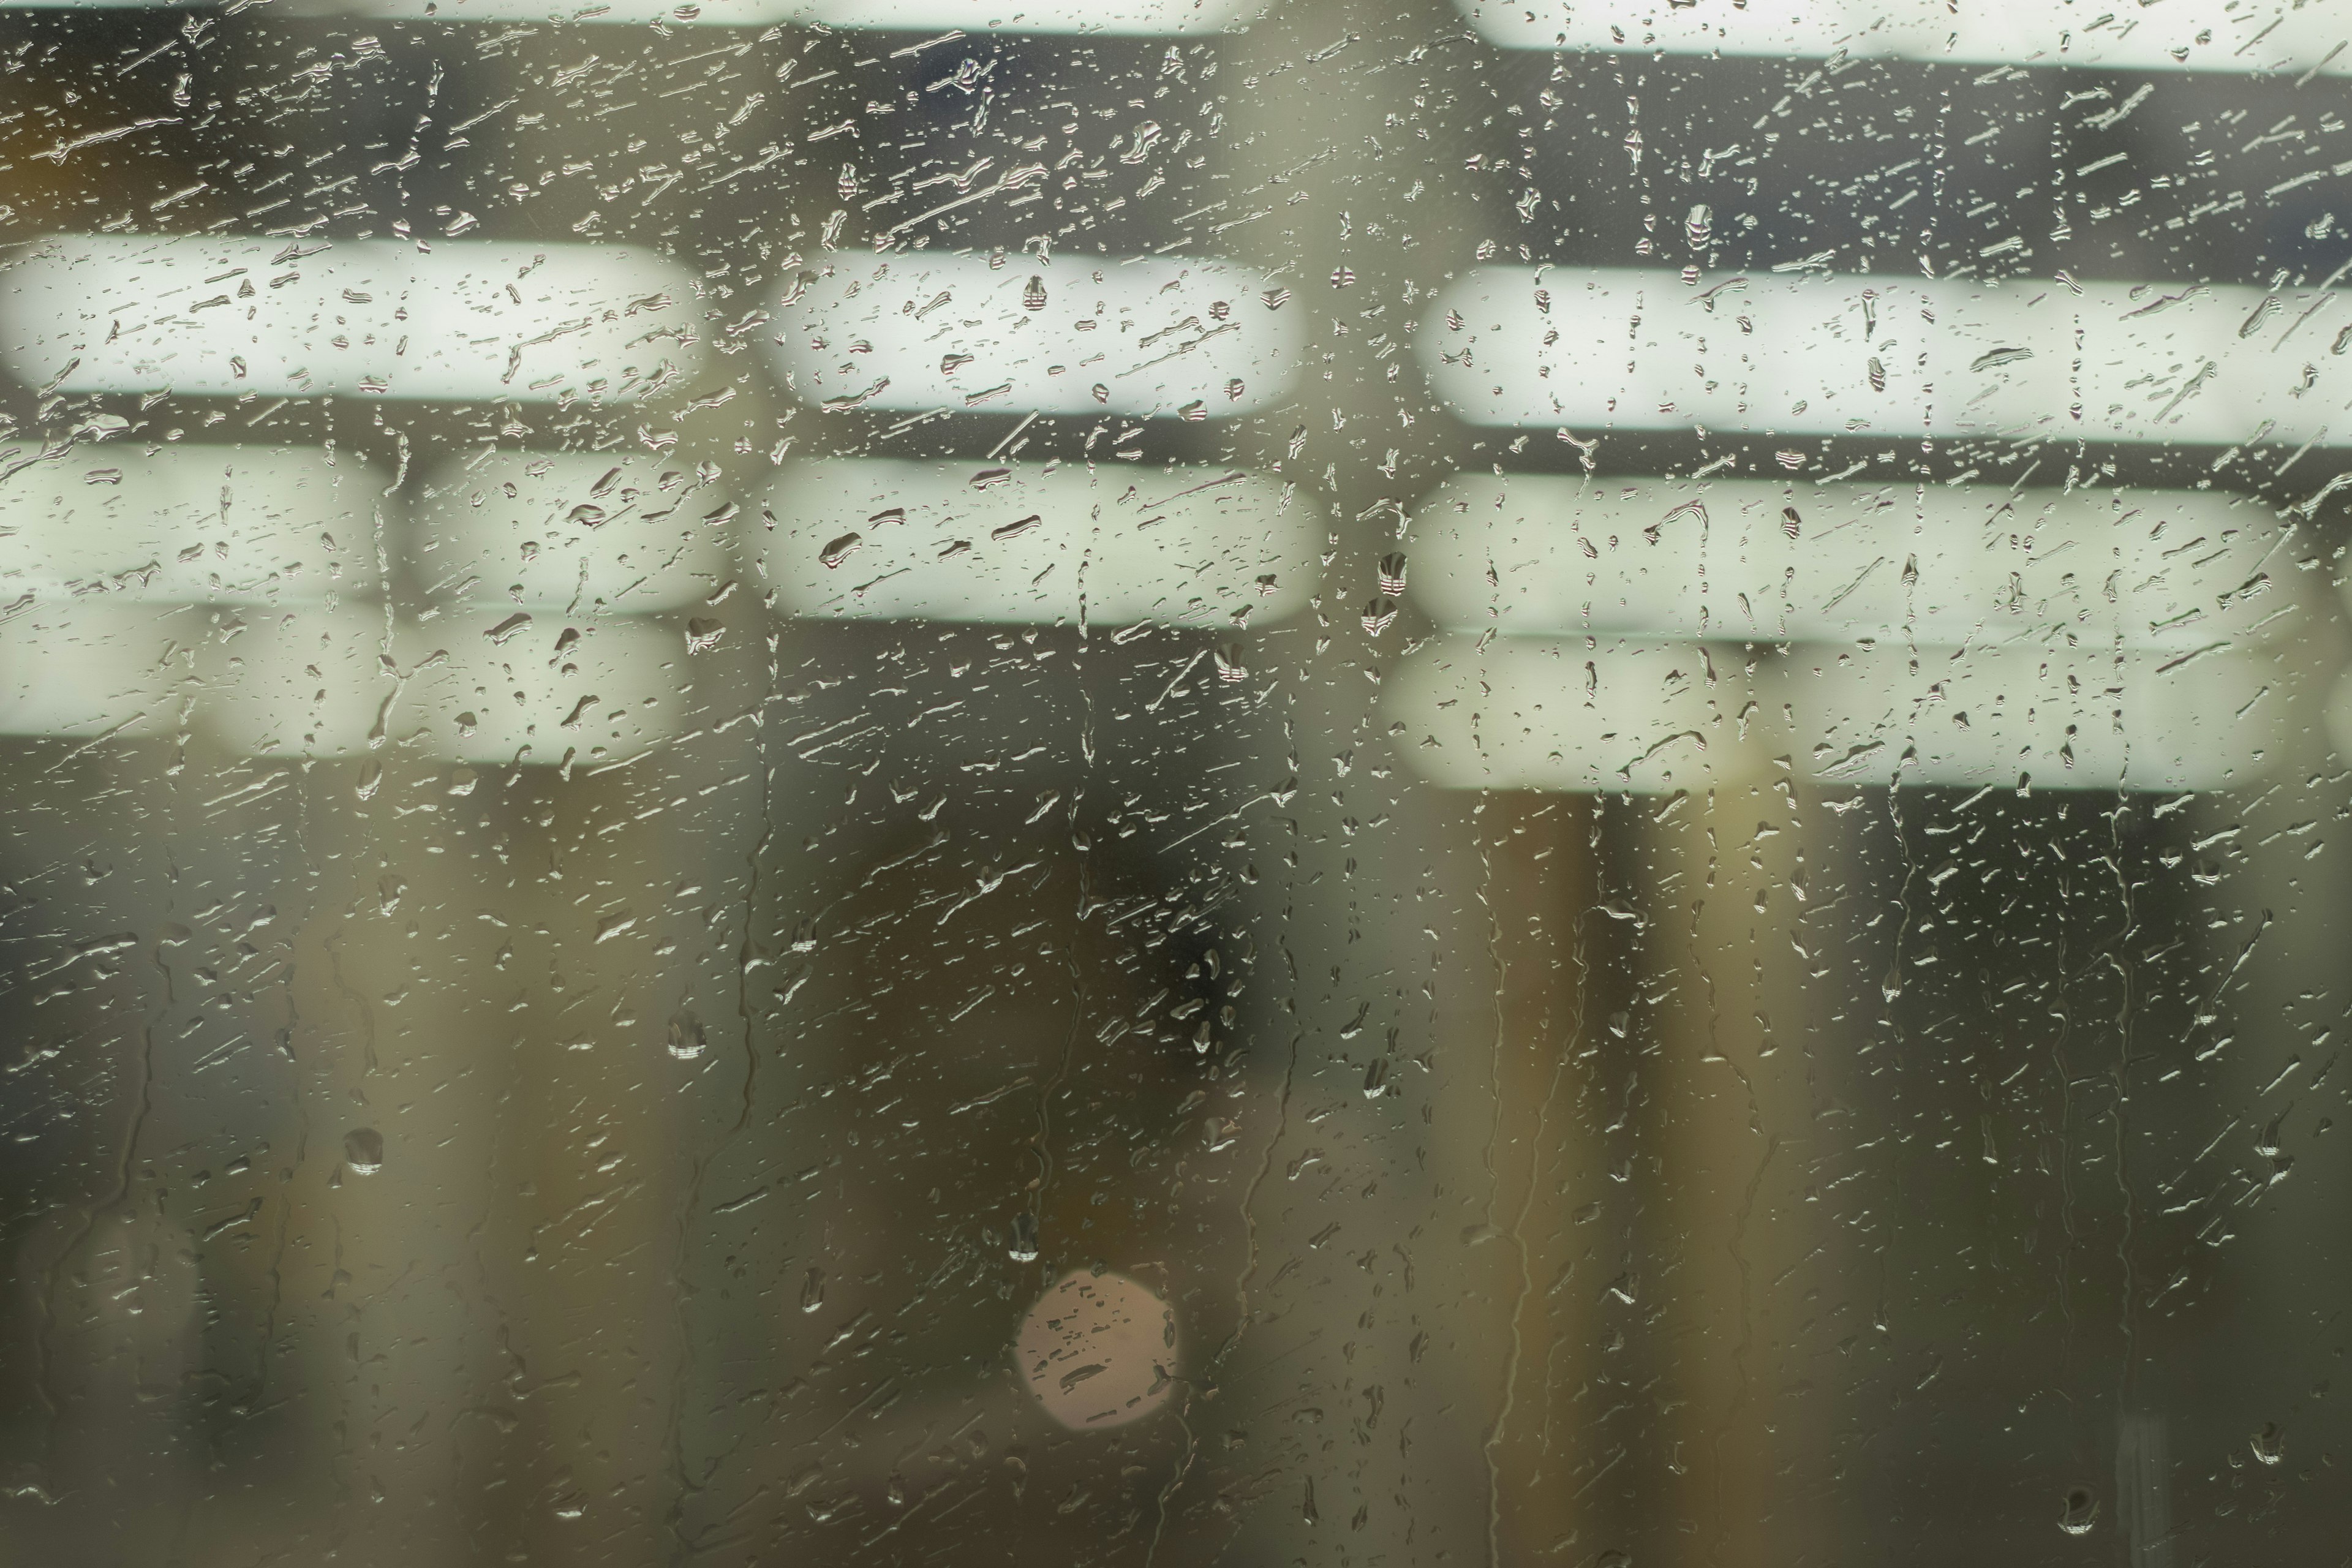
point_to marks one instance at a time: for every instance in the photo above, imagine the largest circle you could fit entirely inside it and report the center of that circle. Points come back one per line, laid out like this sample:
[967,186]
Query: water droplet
[1392,575]
[688,1038]
[1023,1246]
[2081,1511]
[364,1151]
[1993,358]
[2268,1444]
[1378,611]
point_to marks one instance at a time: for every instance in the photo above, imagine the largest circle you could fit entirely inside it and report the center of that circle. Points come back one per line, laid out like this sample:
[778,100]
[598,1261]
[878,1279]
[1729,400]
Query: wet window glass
[1175,781]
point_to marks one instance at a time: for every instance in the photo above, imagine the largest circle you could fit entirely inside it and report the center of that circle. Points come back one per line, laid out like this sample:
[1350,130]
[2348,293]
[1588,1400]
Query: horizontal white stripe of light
[1158,335]
[463,320]
[2141,720]
[2201,34]
[315,686]
[1888,356]
[1119,16]
[570,531]
[312,682]
[2338,716]
[2157,569]
[1132,16]
[1028,544]
[245,524]
[90,670]
[1653,718]
[1521,714]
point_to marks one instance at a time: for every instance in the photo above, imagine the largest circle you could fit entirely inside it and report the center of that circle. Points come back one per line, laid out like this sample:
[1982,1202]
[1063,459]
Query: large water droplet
[364,1151]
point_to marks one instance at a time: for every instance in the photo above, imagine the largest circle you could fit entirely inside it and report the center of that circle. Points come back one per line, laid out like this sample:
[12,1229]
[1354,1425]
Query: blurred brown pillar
[1552,990]
[1736,1248]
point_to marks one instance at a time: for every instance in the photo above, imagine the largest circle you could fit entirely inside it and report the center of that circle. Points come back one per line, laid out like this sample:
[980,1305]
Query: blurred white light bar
[94,671]
[1755,560]
[474,688]
[2246,36]
[1141,335]
[313,682]
[875,539]
[1888,356]
[1519,713]
[229,524]
[1528,713]
[1116,17]
[2080,720]
[570,531]
[462,321]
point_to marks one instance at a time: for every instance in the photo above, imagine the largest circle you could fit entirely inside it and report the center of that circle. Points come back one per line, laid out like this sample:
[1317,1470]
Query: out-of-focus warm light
[1153,336]
[228,524]
[1645,718]
[971,541]
[1750,560]
[583,531]
[1098,1351]
[460,321]
[2247,37]
[1594,350]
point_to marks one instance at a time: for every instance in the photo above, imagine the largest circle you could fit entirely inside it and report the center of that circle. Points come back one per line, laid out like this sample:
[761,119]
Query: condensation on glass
[1181,782]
